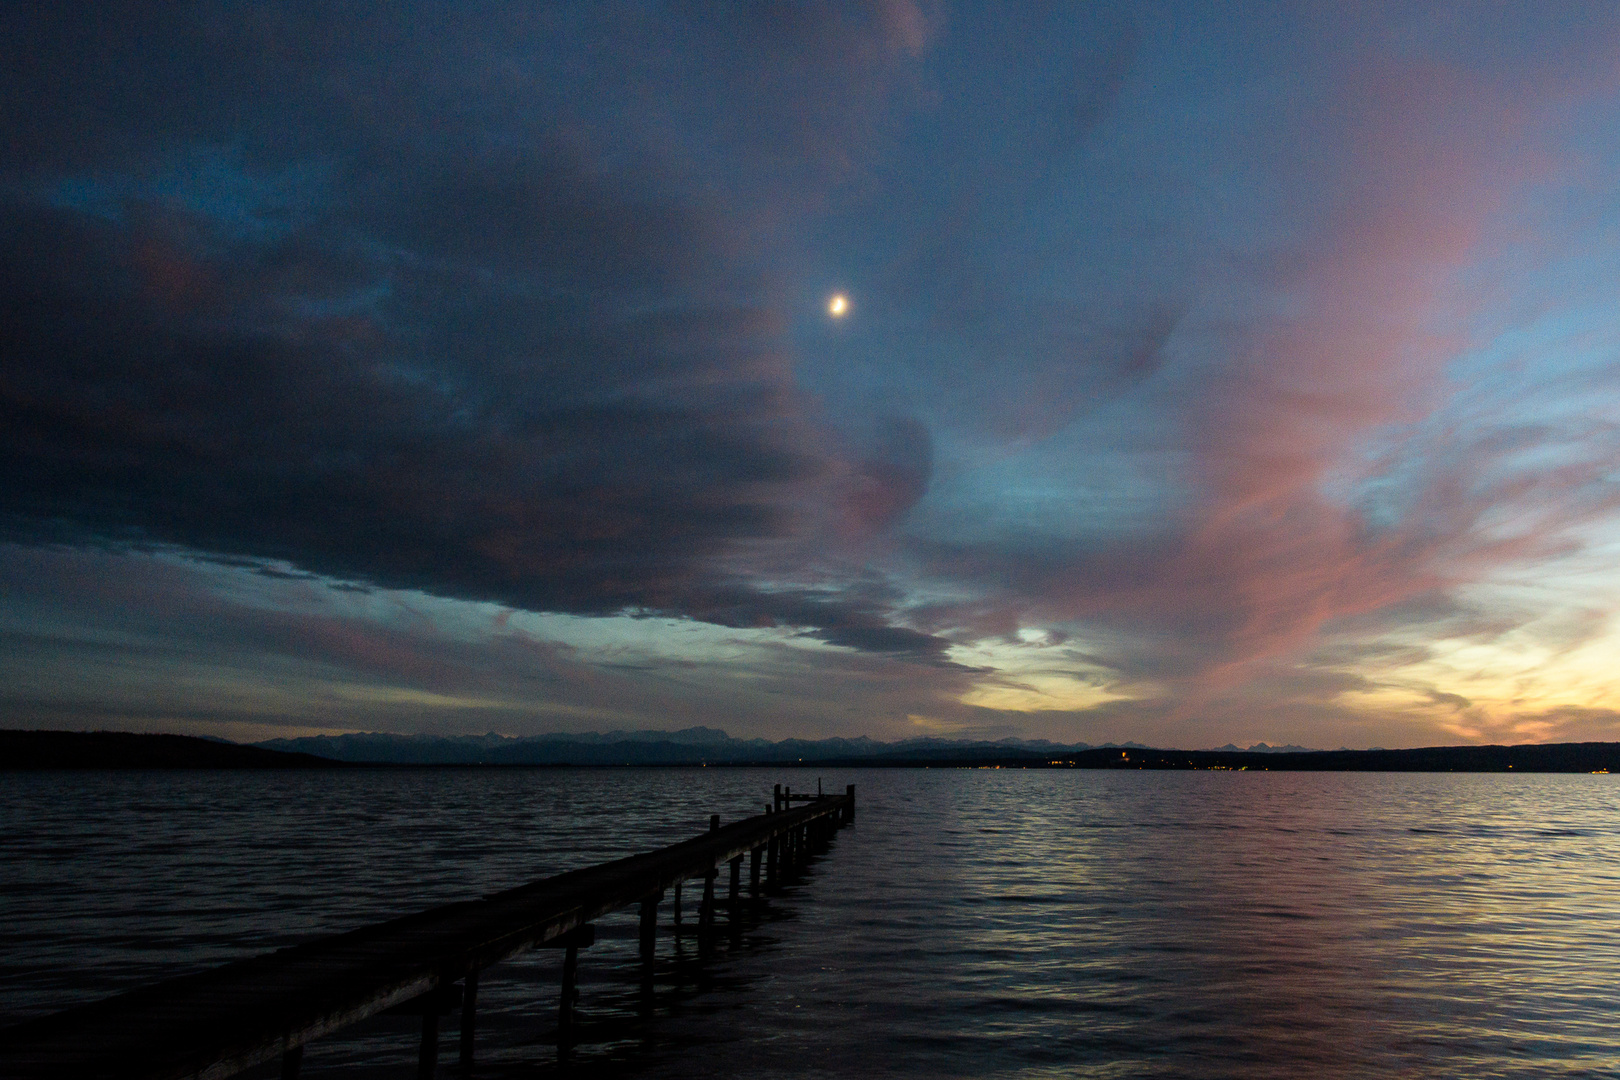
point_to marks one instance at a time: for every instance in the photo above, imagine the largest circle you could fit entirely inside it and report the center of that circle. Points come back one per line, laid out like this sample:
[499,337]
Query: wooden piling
[649,927]
[736,884]
[706,912]
[773,861]
[469,1017]
[427,1058]
[753,870]
[570,992]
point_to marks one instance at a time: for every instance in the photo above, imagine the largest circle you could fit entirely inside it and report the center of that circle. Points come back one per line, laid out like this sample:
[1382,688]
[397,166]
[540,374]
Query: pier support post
[753,870]
[427,1059]
[469,1017]
[706,911]
[714,822]
[570,994]
[770,852]
[649,926]
[580,937]
[677,907]
[736,884]
[292,1061]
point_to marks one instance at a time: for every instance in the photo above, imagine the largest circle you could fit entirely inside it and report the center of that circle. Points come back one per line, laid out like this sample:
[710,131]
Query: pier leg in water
[291,1062]
[565,1004]
[734,917]
[649,944]
[469,1017]
[649,926]
[427,1060]
[706,911]
[753,870]
[677,913]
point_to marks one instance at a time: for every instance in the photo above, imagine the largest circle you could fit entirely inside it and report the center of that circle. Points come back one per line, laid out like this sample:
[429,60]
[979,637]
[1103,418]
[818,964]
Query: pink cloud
[1289,380]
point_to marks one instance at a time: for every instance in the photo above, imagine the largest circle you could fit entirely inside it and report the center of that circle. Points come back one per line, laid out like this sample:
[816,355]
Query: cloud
[1173,341]
[1283,376]
[467,354]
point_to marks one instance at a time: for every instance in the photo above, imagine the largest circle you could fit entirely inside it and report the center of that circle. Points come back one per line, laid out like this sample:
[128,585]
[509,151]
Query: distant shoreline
[118,750]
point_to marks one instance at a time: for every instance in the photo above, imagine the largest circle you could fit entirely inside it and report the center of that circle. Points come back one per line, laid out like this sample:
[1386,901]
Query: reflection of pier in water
[217,1023]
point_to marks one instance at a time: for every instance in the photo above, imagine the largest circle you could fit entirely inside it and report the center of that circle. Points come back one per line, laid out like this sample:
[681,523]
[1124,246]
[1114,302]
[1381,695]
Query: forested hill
[130,750]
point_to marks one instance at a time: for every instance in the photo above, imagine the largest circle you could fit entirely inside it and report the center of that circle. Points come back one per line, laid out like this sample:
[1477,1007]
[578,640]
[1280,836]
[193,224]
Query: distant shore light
[838,306]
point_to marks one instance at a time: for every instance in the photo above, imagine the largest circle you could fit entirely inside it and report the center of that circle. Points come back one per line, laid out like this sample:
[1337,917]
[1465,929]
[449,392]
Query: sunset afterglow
[1228,377]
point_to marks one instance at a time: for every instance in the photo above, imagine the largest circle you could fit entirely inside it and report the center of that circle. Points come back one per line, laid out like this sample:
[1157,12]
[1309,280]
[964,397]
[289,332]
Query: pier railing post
[469,1016]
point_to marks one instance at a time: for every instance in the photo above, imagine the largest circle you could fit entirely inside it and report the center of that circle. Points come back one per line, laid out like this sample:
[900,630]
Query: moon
[838,305]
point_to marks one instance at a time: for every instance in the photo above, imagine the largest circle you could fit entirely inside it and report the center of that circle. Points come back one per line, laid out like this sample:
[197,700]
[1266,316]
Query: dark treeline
[127,750]
[1548,757]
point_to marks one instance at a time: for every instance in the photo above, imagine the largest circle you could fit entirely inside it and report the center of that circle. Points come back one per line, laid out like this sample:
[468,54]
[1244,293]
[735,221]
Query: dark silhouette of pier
[217,1023]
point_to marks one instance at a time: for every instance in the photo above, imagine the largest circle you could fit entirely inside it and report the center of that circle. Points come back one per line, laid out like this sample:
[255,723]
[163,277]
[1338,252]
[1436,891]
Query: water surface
[972,924]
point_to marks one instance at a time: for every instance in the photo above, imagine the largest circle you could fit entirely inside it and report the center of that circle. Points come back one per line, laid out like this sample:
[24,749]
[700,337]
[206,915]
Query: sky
[1203,372]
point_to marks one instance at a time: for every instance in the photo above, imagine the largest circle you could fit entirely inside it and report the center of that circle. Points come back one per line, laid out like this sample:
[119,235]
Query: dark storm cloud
[588,473]
[294,285]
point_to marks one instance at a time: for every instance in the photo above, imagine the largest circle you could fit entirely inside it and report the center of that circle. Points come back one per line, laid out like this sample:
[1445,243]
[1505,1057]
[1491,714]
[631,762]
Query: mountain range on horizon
[686,745]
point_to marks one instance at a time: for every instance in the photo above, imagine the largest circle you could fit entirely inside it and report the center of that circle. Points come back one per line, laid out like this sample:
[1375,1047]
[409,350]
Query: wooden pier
[219,1022]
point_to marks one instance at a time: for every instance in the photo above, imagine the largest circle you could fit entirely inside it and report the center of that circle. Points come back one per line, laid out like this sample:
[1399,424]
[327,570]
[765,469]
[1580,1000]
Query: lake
[973,923]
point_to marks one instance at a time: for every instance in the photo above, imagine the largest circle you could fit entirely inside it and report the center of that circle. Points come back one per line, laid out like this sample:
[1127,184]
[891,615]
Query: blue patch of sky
[211,182]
